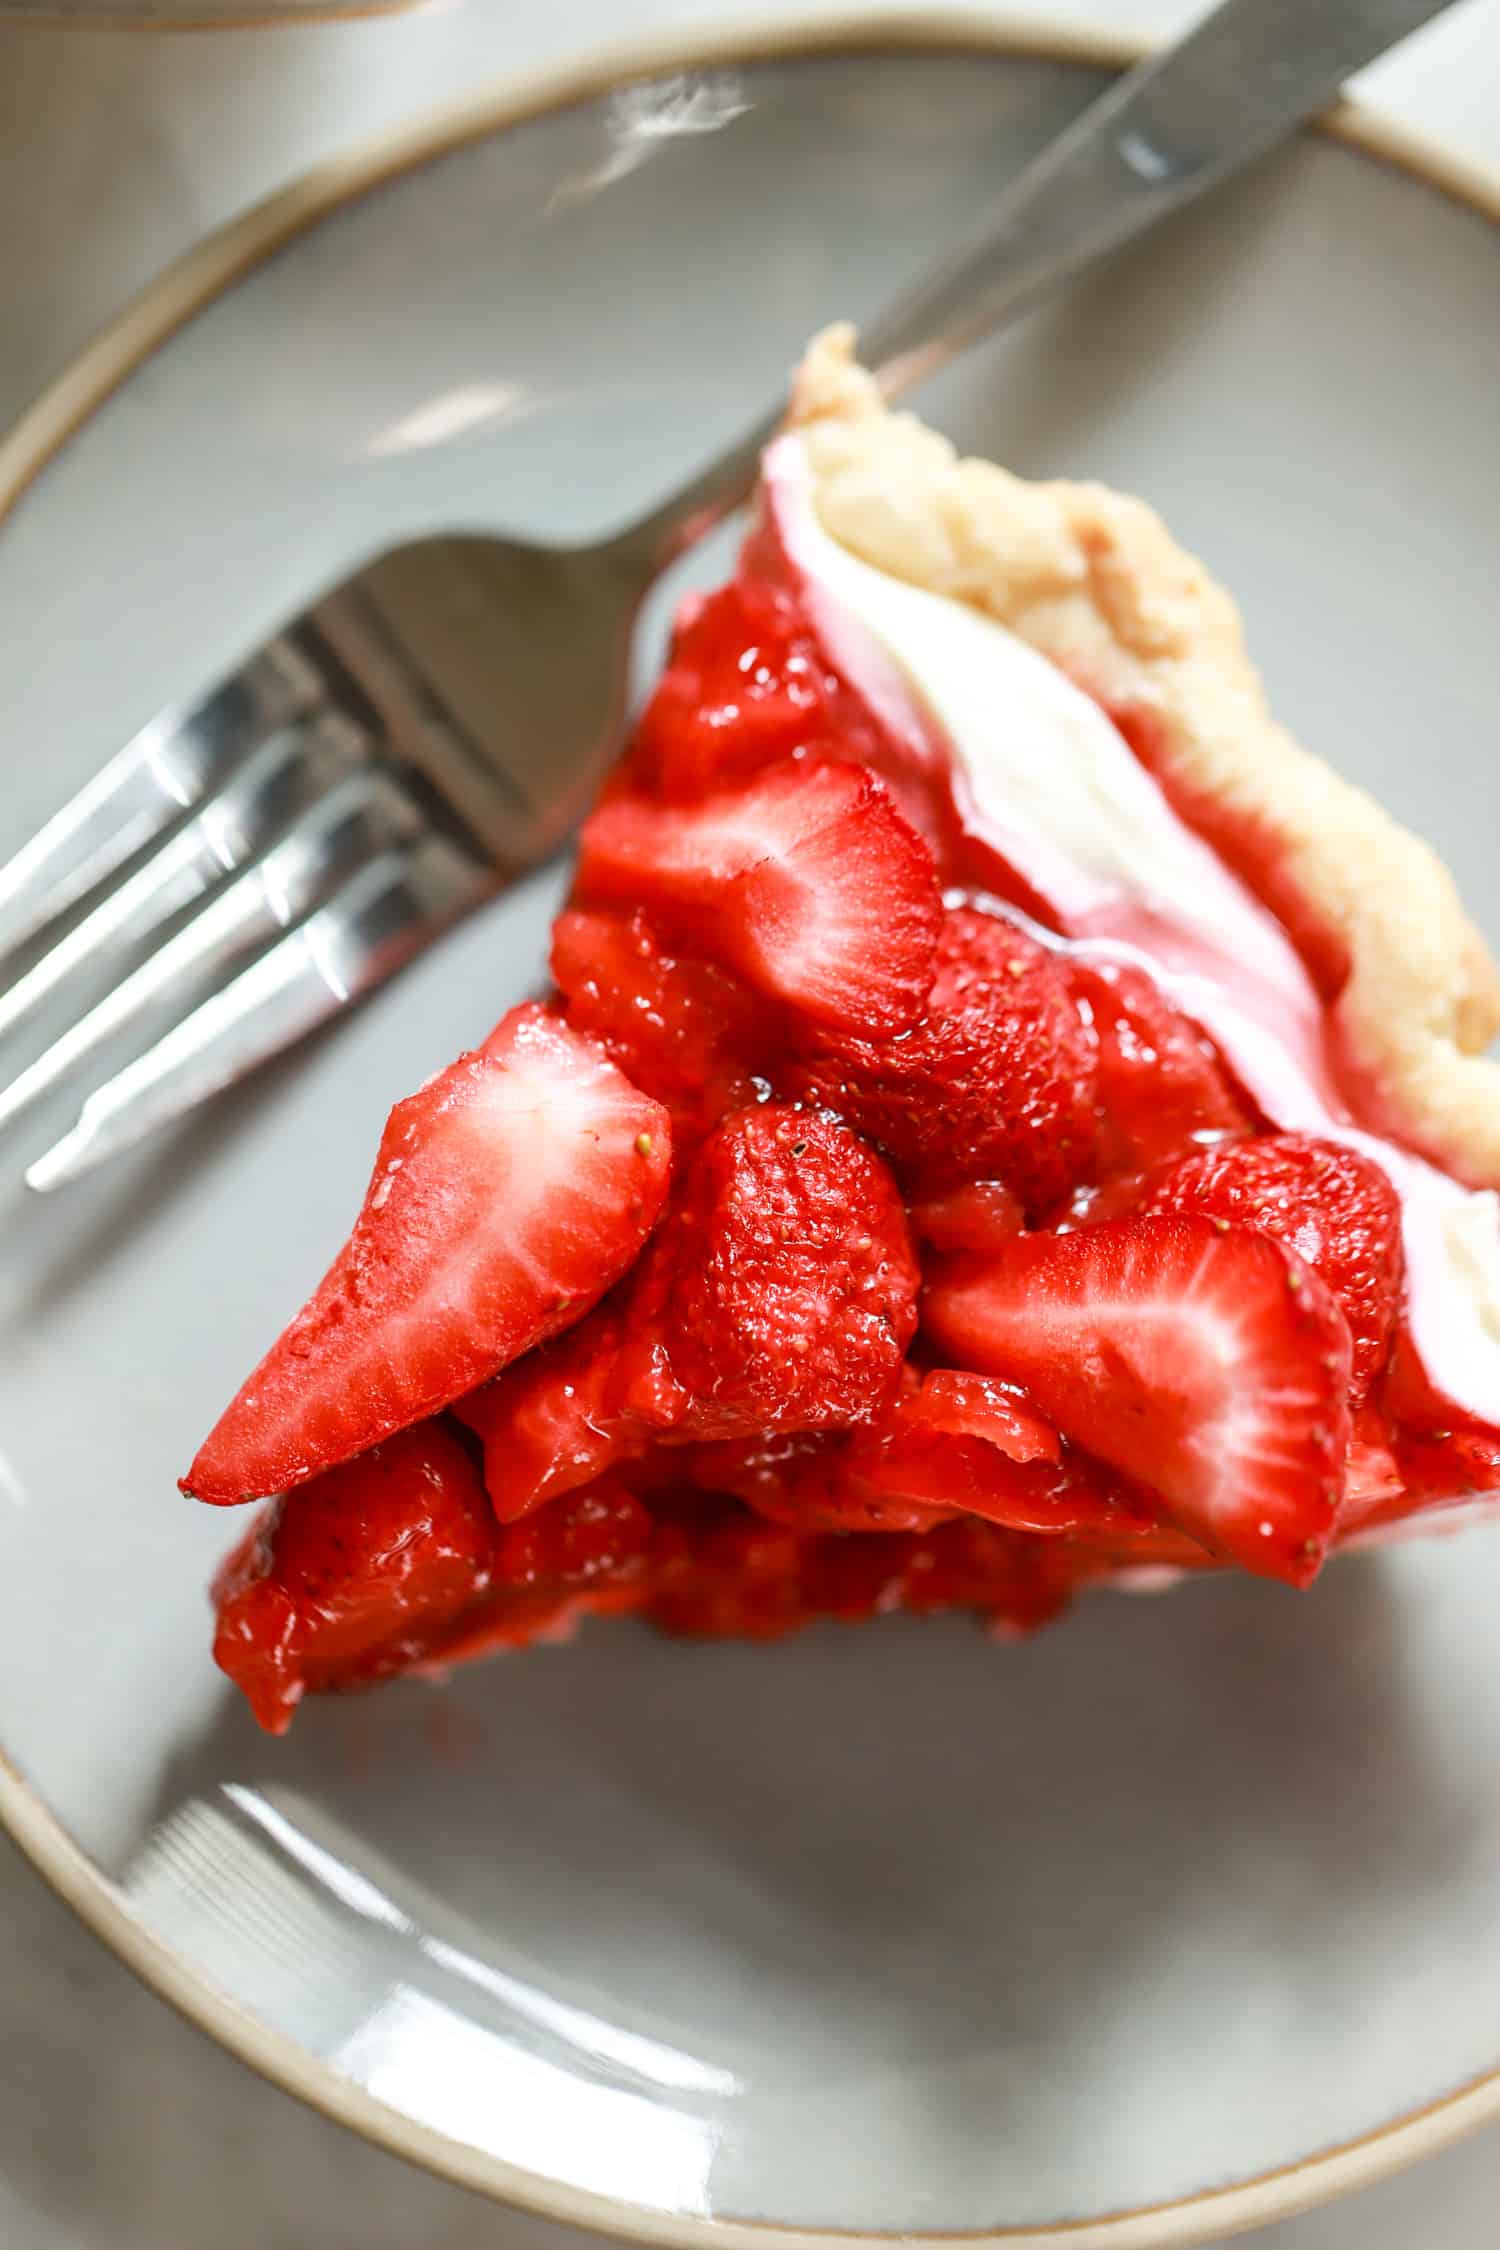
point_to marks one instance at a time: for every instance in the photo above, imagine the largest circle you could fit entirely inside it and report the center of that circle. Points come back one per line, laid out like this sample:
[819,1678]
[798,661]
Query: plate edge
[190,283]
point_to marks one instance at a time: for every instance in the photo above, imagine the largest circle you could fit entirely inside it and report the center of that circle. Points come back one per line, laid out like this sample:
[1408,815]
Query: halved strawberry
[348,1578]
[808,881]
[959,1404]
[996,1082]
[1207,1364]
[507,1195]
[1334,1207]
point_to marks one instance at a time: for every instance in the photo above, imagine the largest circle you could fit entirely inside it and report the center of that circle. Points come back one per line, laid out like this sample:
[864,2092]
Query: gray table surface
[121,2128]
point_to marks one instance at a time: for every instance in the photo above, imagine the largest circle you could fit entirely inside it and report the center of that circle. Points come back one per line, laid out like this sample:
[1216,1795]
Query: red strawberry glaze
[747,1434]
[350,1578]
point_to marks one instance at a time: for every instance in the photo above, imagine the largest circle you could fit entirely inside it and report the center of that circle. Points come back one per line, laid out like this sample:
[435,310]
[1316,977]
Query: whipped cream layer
[1047,780]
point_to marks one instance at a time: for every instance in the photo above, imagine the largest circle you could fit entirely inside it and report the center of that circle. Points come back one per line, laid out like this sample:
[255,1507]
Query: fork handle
[1176,126]
[1180,123]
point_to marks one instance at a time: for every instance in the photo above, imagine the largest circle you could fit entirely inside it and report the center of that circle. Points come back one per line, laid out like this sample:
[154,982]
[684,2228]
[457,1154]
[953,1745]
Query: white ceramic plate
[1182,1916]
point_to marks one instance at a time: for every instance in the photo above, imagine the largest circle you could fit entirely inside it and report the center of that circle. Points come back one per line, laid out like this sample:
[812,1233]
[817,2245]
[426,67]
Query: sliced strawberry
[1098,1552]
[977,1406]
[1162,1087]
[685,1031]
[585,1402]
[1207,1364]
[953,1444]
[996,1082]
[808,881]
[1336,1209]
[507,1195]
[350,1577]
[970,1443]
[966,1476]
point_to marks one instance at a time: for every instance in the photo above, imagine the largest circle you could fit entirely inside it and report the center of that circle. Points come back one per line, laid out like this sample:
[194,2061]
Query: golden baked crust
[1093,579]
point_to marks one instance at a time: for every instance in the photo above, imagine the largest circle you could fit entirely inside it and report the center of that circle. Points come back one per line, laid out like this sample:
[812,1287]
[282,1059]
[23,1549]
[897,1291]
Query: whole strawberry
[995,1083]
[790,1280]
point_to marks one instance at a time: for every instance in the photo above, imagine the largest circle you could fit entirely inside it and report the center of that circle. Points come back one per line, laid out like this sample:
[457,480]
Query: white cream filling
[1057,790]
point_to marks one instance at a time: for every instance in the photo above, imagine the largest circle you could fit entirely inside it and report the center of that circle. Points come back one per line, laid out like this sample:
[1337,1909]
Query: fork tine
[175,761]
[362,815]
[382,916]
[275,784]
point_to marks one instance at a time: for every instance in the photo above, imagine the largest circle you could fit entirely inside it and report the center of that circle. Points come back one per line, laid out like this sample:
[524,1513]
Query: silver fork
[433,726]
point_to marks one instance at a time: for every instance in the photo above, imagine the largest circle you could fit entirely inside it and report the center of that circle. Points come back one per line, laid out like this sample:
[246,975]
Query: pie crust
[1093,579]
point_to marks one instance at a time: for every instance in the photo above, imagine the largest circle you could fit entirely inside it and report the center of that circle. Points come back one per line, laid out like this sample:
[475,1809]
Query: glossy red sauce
[758,1539]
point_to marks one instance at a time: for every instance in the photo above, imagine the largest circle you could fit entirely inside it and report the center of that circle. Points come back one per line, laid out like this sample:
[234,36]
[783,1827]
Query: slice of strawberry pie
[1004,1120]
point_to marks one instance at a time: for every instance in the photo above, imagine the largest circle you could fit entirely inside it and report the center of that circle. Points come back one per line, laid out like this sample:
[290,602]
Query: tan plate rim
[183,290]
